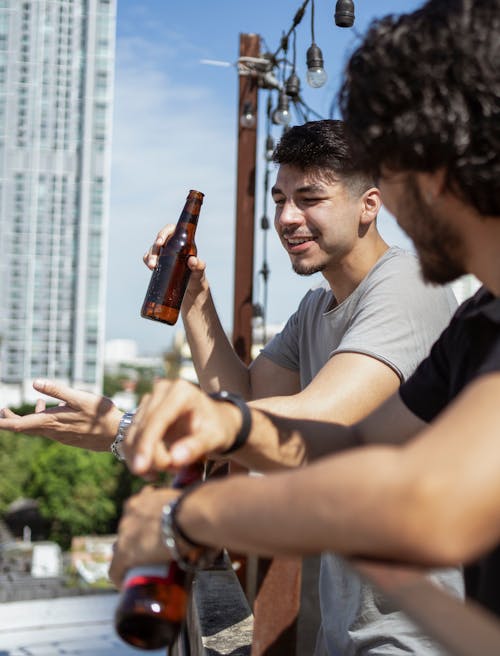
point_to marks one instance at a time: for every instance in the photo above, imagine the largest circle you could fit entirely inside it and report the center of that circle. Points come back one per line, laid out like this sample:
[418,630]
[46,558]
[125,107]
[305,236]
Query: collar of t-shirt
[483,303]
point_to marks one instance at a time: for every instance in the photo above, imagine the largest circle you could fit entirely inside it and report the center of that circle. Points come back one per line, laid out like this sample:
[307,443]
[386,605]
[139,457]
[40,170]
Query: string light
[270,70]
[247,118]
[316,74]
[281,115]
[292,85]
[344,13]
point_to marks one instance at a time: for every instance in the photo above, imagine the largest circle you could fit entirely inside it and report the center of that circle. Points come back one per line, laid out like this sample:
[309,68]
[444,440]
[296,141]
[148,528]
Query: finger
[40,405]
[6,413]
[64,393]
[151,256]
[150,260]
[189,450]
[164,235]
[153,422]
[129,444]
[161,460]
[116,569]
[31,424]
[196,265]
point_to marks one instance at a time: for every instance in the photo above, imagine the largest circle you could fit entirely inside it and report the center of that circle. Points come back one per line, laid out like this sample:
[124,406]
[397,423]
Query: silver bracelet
[116,447]
[198,556]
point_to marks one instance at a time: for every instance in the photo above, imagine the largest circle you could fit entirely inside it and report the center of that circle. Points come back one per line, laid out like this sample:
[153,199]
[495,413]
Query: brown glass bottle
[171,274]
[154,599]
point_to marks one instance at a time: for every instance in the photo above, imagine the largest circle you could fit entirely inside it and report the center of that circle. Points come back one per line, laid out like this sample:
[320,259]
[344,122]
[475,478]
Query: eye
[278,200]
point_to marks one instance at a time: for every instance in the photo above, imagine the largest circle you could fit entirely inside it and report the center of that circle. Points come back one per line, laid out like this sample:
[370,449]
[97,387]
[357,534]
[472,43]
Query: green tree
[79,492]
[75,489]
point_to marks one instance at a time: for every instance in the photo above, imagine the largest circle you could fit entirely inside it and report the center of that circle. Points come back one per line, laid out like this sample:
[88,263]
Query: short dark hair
[422,92]
[323,148]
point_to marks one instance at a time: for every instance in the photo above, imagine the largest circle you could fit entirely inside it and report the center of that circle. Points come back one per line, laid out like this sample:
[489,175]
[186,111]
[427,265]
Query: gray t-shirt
[395,317]
[392,315]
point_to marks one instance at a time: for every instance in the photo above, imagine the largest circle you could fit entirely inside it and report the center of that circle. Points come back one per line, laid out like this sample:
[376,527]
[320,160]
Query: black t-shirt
[467,349]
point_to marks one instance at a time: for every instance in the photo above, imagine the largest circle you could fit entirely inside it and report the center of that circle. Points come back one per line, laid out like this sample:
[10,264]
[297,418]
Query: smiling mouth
[298,241]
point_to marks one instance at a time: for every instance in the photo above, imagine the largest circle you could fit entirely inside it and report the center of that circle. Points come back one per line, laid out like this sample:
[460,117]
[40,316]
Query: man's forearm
[319,508]
[216,363]
[277,442]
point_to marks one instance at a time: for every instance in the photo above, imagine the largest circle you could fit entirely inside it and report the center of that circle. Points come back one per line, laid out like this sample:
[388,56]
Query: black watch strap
[246,418]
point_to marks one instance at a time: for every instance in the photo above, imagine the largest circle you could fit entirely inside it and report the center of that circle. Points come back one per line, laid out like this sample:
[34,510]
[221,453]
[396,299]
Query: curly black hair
[323,147]
[423,92]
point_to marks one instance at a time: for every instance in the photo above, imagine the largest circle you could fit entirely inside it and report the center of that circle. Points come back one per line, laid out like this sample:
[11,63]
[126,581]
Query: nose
[288,215]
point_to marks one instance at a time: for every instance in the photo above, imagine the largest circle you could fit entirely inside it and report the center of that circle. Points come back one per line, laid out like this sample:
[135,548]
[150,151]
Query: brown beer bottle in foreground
[153,602]
[171,274]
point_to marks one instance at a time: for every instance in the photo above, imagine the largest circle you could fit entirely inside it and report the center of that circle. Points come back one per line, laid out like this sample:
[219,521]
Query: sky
[175,128]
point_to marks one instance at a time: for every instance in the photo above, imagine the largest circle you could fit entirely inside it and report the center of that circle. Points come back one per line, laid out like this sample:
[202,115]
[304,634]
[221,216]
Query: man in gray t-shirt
[380,319]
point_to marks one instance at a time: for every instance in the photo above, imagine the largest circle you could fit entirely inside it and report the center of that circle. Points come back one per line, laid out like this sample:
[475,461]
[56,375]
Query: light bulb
[316,77]
[316,74]
[247,118]
[281,115]
[269,148]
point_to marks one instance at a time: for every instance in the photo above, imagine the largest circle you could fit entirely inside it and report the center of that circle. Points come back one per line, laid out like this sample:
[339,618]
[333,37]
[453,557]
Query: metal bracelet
[123,427]
[199,556]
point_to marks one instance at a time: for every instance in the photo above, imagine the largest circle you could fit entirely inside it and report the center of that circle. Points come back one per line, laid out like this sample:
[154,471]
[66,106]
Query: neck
[481,238]
[353,268]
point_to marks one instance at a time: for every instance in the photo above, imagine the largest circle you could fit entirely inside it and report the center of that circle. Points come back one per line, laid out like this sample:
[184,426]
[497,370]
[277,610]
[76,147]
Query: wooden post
[245,207]
[277,584]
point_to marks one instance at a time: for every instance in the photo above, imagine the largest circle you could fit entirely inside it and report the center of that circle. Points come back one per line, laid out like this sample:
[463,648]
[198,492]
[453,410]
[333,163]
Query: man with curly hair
[421,98]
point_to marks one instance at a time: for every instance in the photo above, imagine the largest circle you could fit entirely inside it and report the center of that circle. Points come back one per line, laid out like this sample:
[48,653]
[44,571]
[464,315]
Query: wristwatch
[123,426]
[189,555]
[246,418]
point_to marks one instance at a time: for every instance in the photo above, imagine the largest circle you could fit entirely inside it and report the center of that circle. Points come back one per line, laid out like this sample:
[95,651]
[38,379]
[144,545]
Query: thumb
[6,413]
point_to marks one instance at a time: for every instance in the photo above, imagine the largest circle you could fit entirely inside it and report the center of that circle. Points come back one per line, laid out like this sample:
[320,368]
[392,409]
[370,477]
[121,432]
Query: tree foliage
[79,492]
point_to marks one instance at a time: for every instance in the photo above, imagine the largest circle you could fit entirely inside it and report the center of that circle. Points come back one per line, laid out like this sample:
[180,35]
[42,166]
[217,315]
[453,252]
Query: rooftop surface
[73,626]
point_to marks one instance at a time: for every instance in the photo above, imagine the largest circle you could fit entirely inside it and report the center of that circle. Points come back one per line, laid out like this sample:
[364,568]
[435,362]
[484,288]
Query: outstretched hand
[177,425]
[81,419]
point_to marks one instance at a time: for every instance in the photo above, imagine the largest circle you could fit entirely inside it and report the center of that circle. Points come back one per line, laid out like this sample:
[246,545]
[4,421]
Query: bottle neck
[191,211]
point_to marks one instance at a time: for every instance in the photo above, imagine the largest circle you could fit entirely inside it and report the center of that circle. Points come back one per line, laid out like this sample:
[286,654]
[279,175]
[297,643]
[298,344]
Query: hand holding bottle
[155,592]
[197,280]
[171,272]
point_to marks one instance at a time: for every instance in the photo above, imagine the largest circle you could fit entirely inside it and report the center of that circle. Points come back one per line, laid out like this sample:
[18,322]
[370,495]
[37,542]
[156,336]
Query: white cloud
[167,138]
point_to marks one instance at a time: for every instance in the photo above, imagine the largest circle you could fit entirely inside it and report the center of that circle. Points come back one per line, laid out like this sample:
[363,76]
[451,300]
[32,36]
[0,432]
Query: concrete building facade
[56,102]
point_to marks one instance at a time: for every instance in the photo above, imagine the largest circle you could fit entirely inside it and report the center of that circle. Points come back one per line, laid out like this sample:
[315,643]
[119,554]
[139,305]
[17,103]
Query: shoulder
[397,260]
[397,275]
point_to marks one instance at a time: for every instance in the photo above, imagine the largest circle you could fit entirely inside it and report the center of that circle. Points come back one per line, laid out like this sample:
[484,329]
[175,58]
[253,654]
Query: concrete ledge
[220,622]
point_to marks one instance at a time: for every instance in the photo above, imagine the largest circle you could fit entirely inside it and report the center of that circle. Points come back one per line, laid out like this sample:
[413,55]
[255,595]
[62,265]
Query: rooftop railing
[221,623]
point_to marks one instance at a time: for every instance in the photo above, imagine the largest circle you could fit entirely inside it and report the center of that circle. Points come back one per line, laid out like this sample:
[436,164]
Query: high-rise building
[56,96]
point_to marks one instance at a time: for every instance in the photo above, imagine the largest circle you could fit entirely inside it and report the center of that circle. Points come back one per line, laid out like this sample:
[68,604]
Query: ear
[370,206]
[431,185]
